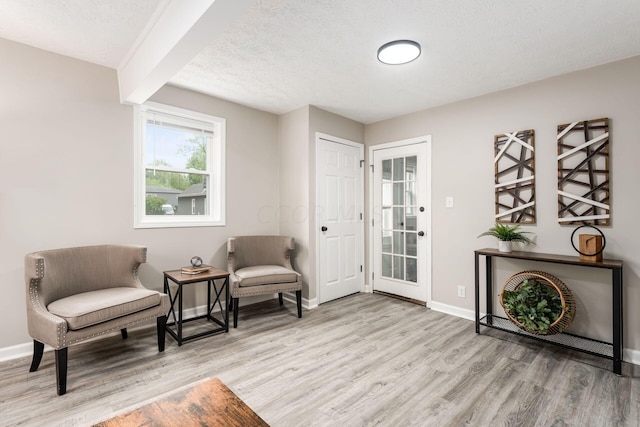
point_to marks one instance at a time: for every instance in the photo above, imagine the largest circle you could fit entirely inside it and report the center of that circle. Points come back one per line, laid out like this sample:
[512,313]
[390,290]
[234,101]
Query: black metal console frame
[611,351]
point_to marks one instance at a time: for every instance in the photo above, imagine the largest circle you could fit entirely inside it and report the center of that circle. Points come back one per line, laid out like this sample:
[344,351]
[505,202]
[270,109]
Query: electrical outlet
[462,291]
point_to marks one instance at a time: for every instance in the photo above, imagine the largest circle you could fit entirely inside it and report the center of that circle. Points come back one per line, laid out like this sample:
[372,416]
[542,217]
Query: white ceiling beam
[176,33]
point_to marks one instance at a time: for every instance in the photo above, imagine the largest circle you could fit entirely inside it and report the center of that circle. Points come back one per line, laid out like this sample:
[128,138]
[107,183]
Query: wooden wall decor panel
[583,173]
[514,163]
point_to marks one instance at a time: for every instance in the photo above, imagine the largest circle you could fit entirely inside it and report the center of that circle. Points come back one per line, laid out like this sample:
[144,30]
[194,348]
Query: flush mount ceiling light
[398,52]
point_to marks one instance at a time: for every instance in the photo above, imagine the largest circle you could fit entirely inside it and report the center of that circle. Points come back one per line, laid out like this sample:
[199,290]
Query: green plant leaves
[534,305]
[508,233]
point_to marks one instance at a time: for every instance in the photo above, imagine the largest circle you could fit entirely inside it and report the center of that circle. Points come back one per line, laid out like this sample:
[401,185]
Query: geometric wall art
[583,173]
[514,164]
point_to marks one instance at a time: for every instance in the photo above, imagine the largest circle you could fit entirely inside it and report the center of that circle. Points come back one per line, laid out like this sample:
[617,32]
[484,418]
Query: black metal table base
[175,327]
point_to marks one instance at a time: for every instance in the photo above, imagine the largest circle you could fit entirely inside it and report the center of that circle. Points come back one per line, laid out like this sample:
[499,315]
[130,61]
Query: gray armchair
[260,265]
[75,294]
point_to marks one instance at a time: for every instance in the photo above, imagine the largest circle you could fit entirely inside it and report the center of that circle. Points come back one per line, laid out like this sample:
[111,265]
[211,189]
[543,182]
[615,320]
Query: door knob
[324,229]
[420,233]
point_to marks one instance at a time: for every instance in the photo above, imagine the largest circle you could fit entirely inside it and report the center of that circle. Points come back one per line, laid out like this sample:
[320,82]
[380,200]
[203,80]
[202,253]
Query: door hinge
[371,166]
[372,222]
[360,215]
[373,276]
[360,269]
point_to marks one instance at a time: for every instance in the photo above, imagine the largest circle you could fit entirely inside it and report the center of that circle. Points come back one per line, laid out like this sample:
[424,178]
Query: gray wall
[297,133]
[66,141]
[462,167]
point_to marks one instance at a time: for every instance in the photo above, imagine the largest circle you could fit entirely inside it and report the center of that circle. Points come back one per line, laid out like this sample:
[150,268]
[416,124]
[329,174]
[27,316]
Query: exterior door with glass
[401,237]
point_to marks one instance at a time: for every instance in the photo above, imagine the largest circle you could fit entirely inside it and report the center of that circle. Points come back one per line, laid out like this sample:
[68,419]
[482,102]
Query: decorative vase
[504,246]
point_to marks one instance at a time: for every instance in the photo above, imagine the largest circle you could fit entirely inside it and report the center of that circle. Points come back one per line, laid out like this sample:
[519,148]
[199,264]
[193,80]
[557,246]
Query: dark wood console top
[558,259]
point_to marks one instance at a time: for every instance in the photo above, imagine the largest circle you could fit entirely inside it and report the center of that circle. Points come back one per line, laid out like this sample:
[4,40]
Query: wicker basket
[566,296]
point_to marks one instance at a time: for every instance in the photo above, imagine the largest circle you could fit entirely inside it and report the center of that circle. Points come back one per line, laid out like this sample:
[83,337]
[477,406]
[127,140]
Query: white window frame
[215,167]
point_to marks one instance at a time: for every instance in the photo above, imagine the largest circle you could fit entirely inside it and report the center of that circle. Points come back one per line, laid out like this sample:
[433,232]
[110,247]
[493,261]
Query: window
[179,167]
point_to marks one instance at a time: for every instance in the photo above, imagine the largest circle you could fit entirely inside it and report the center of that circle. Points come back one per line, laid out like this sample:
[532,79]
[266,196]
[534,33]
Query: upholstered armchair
[75,294]
[261,265]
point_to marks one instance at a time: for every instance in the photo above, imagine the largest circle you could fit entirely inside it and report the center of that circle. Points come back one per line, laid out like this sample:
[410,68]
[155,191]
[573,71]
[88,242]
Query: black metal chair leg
[161,323]
[124,333]
[38,349]
[280,298]
[299,301]
[235,312]
[61,370]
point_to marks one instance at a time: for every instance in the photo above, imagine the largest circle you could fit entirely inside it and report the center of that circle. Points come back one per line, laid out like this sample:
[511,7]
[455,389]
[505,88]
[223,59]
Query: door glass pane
[411,198]
[386,241]
[398,218]
[412,242]
[412,270]
[398,267]
[411,163]
[386,219]
[386,170]
[387,194]
[398,169]
[411,220]
[387,265]
[398,242]
[398,193]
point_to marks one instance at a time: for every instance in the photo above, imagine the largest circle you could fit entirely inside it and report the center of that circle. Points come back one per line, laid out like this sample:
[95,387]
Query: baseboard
[17,351]
[454,311]
[631,356]
[306,303]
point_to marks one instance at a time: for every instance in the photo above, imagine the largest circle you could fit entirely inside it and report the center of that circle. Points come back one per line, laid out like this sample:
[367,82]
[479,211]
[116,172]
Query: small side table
[181,279]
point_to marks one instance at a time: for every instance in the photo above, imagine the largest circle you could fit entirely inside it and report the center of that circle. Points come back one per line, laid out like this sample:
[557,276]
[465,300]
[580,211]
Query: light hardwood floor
[361,360]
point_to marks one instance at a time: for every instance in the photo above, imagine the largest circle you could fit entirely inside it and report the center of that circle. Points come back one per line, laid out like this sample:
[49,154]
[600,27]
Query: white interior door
[401,236]
[339,211]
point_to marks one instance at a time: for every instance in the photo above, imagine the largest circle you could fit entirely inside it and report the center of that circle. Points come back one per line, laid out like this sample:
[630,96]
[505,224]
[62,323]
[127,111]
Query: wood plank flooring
[358,361]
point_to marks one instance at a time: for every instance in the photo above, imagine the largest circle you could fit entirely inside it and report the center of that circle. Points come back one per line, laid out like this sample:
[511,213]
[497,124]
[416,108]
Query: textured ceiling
[98,31]
[283,54]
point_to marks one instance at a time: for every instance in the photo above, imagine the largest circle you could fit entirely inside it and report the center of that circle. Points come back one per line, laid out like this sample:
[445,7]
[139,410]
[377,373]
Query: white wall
[66,168]
[462,149]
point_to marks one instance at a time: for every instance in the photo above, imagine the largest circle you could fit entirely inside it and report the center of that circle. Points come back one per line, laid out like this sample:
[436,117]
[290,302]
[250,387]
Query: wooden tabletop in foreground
[209,403]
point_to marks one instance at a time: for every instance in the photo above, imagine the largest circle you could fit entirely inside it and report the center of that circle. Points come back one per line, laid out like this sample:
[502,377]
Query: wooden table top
[209,403]
[179,277]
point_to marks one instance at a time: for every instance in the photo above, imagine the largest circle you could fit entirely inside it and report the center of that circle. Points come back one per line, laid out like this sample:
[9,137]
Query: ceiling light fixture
[398,52]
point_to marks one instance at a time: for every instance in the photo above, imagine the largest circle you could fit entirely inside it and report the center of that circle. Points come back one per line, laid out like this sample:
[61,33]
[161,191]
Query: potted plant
[506,234]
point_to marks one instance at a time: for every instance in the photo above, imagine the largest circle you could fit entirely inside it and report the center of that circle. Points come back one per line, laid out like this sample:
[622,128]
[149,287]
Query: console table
[611,351]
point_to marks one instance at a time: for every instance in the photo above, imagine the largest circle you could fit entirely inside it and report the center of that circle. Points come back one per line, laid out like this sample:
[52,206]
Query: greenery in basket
[533,305]
[508,233]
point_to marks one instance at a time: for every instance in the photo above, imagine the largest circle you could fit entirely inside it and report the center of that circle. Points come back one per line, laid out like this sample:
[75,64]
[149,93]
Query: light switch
[449,202]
